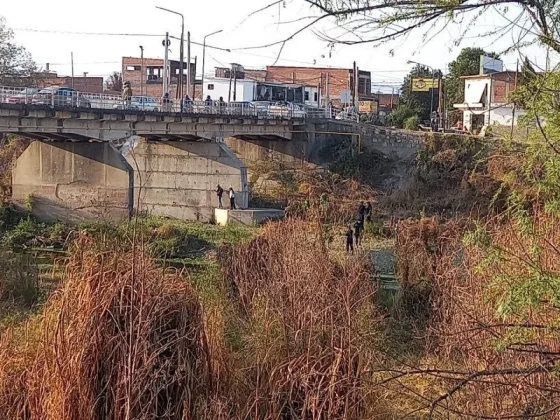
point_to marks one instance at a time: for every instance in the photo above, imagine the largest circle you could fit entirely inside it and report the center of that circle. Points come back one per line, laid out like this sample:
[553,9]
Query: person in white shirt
[231,199]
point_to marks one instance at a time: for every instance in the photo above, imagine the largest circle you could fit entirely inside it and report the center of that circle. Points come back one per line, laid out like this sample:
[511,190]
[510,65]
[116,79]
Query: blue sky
[51,37]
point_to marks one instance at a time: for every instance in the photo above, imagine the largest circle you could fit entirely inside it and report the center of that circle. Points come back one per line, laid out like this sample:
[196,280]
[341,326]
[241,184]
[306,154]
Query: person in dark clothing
[166,102]
[358,227]
[349,240]
[362,211]
[208,104]
[368,212]
[219,193]
[187,104]
[221,105]
[231,199]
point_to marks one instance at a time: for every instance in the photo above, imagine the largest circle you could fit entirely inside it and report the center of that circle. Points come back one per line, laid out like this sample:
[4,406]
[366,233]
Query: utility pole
[229,90]
[327,90]
[234,69]
[440,101]
[204,57]
[165,63]
[514,88]
[189,75]
[354,90]
[392,94]
[72,64]
[182,59]
[432,90]
[194,81]
[141,70]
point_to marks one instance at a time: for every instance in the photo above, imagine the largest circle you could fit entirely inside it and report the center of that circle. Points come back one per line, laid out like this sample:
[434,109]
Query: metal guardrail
[66,97]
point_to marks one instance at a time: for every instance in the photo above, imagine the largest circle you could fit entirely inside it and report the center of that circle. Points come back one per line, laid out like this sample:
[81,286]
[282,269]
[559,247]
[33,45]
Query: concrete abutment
[78,182]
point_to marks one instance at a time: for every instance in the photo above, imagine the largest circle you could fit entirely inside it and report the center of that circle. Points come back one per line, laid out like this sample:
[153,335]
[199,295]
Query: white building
[488,98]
[248,90]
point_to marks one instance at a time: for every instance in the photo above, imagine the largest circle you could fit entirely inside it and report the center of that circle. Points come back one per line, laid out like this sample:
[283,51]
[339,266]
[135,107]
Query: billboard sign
[420,84]
[490,65]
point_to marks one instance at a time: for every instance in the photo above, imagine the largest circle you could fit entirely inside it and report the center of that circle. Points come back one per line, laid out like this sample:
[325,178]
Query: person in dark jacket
[349,240]
[187,104]
[358,228]
[368,212]
[219,193]
[362,211]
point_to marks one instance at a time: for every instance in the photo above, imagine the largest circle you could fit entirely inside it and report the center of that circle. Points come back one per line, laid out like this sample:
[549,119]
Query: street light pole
[181,50]
[204,57]
[141,70]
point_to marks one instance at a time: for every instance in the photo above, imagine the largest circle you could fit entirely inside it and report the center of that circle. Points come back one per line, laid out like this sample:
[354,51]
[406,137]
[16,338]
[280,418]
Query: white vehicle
[139,103]
[286,110]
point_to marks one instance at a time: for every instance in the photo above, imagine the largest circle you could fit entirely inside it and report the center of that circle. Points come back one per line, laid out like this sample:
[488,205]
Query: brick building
[46,79]
[151,80]
[330,82]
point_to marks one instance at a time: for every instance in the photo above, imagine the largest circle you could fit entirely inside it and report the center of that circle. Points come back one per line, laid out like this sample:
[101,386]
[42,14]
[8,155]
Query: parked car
[140,103]
[60,96]
[262,108]
[243,108]
[286,110]
[23,97]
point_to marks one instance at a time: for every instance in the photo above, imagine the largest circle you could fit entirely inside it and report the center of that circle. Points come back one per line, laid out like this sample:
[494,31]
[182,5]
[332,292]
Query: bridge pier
[179,179]
[73,182]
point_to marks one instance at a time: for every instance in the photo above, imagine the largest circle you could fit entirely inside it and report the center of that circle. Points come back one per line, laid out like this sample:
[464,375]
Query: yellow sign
[367,106]
[424,85]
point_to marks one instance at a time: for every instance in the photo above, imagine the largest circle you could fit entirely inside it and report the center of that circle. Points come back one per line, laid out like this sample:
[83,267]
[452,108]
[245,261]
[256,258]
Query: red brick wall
[82,84]
[503,84]
[155,89]
[339,79]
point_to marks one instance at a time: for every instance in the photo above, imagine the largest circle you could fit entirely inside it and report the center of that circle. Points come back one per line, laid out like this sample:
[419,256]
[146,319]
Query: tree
[467,63]
[15,61]
[376,21]
[114,82]
[422,103]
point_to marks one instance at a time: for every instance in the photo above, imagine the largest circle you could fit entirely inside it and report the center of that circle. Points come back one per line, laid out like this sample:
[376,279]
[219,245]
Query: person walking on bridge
[231,199]
[219,193]
[127,95]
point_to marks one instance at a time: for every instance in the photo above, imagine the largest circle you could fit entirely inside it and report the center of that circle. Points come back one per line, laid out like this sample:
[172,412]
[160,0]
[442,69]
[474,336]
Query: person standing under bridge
[219,193]
[231,199]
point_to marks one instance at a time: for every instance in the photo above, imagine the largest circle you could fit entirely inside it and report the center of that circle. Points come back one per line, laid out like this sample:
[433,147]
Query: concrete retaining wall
[72,182]
[178,179]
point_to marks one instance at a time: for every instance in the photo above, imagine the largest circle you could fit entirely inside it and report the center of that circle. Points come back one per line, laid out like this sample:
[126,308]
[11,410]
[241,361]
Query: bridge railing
[65,97]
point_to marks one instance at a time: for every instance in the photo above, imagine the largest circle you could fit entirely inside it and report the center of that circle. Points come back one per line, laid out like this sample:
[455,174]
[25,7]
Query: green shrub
[411,123]
[24,232]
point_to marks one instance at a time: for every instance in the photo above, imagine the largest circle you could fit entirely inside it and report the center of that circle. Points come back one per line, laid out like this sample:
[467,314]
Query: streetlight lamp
[204,57]
[181,52]
[433,78]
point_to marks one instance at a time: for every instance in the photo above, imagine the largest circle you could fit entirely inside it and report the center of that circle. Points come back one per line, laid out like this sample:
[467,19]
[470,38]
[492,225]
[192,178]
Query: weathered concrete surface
[72,182]
[247,217]
[45,123]
[179,179]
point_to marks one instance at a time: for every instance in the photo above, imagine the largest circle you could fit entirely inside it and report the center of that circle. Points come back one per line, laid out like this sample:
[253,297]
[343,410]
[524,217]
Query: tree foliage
[114,82]
[376,21]
[467,63]
[15,61]
[419,102]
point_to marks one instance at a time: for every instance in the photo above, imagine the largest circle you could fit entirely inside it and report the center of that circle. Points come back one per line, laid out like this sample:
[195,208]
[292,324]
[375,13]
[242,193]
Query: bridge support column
[179,179]
[73,182]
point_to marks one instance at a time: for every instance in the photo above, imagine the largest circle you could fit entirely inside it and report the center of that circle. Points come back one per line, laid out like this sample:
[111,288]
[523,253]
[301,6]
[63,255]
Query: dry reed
[311,326]
[120,340]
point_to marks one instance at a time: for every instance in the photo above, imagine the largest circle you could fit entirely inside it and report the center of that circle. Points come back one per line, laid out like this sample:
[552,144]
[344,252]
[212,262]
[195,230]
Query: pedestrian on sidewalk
[219,193]
[231,199]
[349,240]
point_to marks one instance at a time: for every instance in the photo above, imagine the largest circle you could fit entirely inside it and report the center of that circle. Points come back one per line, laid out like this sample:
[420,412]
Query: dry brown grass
[121,340]
[311,326]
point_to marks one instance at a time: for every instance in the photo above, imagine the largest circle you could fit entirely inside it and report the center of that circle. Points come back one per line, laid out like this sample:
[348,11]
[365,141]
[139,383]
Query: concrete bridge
[106,164]
[43,122]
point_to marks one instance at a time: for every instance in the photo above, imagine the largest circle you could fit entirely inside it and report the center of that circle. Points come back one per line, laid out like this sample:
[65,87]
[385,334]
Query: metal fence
[66,97]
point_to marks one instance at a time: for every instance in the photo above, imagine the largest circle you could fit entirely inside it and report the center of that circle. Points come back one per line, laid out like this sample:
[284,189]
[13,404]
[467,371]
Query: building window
[315,97]
[133,68]
[306,95]
[210,87]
